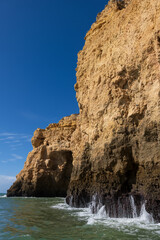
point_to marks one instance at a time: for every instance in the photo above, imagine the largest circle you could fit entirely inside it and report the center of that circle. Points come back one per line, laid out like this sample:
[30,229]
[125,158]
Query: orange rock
[115,140]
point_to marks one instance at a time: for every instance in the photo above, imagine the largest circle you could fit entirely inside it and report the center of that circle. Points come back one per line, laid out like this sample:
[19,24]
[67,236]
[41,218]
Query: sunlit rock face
[112,148]
[48,167]
[118,92]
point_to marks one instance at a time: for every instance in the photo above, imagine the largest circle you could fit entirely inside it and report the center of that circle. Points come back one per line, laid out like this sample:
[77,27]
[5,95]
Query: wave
[3,196]
[128,225]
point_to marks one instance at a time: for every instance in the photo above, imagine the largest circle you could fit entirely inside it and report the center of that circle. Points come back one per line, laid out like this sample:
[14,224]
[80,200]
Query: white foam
[91,221]
[3,196]
[101,213]
[62,206]
[125,224]
[133,206]
[65,206]
[145,216]
[129,225]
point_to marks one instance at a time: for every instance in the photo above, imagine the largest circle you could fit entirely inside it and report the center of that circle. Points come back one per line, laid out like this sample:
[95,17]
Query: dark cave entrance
[54,181]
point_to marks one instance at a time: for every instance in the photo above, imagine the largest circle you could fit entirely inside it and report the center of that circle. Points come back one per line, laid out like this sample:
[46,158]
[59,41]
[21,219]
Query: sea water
[52,218]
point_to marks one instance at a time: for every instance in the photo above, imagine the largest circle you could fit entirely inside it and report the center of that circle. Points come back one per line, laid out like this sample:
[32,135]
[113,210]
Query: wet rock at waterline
[118,92]
[131,207]
[115,143]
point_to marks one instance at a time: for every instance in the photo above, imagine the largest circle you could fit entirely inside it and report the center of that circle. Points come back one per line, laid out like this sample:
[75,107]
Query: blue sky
[39,42]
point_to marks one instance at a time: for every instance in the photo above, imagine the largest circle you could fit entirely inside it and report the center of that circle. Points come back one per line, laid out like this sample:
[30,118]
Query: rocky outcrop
[118,92]
[48,167]
[115,145]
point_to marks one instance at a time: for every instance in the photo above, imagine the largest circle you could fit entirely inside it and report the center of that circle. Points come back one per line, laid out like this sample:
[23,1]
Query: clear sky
[39,42]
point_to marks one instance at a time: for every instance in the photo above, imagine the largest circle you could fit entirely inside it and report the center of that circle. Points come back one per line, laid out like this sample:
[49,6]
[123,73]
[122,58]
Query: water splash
[133,207]
[3,196]
[119,209]
[102,213]
[122,208]
[134,225]
[142,220]
[95,204]
[71,201]
[145,216]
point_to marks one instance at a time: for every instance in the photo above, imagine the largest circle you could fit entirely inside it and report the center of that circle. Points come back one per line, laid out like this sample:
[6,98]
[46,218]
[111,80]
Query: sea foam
[144,221]
[3,196]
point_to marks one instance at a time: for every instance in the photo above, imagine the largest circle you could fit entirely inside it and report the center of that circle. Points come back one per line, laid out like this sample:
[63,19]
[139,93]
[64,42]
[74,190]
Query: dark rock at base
[118,91]
[47,170]
[51,182]
[115,140]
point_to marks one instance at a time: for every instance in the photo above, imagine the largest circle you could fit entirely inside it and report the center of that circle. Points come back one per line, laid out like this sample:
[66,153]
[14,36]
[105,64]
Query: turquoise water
[51,218]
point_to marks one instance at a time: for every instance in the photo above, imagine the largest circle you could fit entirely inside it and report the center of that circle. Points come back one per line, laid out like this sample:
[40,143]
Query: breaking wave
[3,196]
[131,225]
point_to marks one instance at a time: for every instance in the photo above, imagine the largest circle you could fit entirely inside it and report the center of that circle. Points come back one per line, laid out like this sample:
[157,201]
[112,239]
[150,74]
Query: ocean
[52,218]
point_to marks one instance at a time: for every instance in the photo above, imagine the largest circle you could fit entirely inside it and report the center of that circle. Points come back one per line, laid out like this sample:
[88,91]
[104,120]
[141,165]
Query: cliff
[113,145]
[48,167]
[118,92]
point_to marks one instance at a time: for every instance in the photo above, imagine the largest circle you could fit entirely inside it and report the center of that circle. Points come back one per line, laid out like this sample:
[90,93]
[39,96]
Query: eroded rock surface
[118,92]
[48,167]
[115,143]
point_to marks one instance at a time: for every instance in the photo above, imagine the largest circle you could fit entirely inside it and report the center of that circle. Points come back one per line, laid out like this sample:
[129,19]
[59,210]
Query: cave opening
[130,176]
[54,181]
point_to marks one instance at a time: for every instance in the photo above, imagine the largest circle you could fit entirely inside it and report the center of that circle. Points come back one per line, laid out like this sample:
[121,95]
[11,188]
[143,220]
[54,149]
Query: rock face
[48,167]
[115,143]
[118,92]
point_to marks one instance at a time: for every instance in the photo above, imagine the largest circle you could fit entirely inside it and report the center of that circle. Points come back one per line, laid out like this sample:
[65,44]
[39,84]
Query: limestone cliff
[48,167]
[116,142]
[118,92]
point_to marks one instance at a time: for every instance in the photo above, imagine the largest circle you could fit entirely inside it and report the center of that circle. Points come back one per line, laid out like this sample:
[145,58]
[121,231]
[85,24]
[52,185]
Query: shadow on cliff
[53,182]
